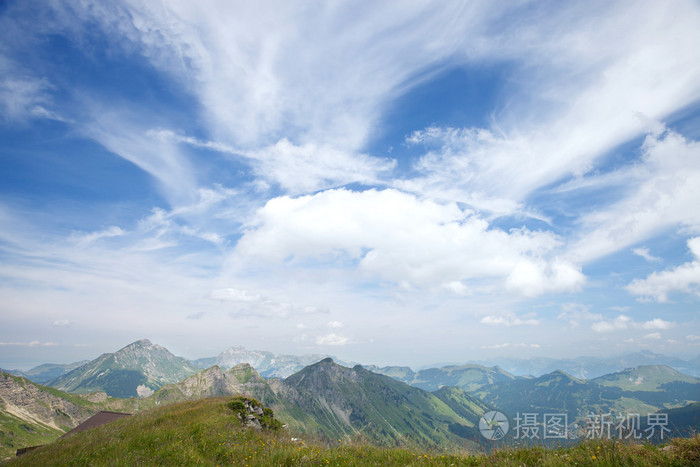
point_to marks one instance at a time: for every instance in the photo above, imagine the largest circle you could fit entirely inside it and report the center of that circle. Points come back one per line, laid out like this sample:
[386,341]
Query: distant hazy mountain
[592,367]
[659,388]
[265,363]
[646,378]
[47,372]
[467,377]
[138,369]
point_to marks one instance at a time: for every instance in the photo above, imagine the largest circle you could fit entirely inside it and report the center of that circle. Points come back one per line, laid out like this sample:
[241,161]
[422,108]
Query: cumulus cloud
[400,237]
[332,339]
[684,278]
[657,323]
[621,322]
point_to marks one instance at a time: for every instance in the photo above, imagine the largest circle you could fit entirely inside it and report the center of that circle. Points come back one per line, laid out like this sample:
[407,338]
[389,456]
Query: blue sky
[387,182]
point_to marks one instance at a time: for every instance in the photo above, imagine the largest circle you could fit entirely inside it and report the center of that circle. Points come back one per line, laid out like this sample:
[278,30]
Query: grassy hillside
[559,392]
[32,414]
[209,432]
[646,378]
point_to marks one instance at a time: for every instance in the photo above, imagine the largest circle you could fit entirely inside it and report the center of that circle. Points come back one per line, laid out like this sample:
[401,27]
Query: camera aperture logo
[493,425]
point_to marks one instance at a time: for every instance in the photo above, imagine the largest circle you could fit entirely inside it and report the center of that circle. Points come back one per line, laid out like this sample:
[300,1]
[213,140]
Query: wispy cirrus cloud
[683,278]
[508,321]
[27,344]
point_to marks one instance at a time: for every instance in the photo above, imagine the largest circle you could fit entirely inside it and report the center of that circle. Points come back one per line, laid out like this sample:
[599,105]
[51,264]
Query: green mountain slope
[684,421]
[31,414]
[561,393]
[354,401]
[138,369]
[645,378]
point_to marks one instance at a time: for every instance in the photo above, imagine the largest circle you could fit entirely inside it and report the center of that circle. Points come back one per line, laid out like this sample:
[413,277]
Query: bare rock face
[28,401]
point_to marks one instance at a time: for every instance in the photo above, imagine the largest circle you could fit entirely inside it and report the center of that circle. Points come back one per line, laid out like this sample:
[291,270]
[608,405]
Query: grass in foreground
[208,432]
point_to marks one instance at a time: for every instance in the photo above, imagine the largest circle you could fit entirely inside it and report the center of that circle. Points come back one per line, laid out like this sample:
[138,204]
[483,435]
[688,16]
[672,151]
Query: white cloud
[332,339]
[125,133]
[24,96]
[576,314]
[657,323]
[27,344]
[653,336]
[508,344]
[684,278]
[308,168]
[235,295]
[84,239]
[62,322]
[533,278]
[335,324]
[245,303]
[662,192]
[299,168]
[405,239]
[644,253]
[619,323]
[578,106]
[319,73]
[692,337]
[623,322]
[508,321]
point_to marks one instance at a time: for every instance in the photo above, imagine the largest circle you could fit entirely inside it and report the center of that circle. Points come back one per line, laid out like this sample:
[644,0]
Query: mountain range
[270,365]
[433,406]
[592,367]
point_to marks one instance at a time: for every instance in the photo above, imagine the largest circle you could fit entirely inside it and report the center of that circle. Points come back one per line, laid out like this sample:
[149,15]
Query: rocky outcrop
[35,404]
[242,379]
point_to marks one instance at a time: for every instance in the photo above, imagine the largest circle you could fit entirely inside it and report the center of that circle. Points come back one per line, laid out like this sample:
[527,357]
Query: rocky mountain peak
[141,343]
